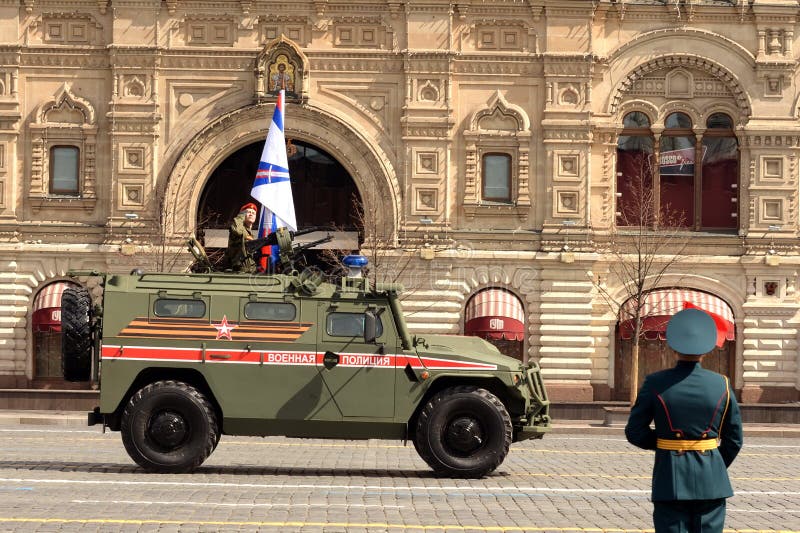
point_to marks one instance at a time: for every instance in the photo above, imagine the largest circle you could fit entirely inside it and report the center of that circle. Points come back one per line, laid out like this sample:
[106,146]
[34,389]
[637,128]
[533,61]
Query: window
[720,174]
[179,308]
[634,170]
[349,325]
[496,174]
[497,162]
[676,168]
[269,311]
[694,185]
[64,164]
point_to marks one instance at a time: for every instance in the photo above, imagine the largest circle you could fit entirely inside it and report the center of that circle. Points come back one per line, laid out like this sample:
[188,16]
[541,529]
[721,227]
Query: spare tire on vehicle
[76,334]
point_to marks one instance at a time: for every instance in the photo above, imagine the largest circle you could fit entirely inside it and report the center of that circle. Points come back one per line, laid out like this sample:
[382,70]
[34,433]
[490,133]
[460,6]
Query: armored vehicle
[181,359]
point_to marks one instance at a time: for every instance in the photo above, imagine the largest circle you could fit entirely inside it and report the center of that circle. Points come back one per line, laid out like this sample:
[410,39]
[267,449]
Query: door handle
[220,356]
[330,360]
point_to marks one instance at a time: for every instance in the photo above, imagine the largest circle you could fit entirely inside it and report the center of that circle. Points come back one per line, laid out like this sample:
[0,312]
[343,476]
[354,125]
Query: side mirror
[370,327]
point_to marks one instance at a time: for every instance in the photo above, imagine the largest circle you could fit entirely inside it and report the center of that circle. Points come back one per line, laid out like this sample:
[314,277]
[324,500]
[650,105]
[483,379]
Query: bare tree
[645,244]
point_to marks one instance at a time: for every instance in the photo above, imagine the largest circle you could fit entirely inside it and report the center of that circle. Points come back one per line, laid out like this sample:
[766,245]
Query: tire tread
[211,438]
[423,422]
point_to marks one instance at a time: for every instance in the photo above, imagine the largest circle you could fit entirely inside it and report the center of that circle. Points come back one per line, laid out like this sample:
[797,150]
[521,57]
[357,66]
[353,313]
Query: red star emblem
[224,329]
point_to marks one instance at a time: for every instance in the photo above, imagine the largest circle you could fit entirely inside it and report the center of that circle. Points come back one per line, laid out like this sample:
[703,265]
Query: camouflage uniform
[236,257]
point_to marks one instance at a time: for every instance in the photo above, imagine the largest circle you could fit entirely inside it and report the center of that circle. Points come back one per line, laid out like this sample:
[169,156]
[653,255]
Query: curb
[565,427]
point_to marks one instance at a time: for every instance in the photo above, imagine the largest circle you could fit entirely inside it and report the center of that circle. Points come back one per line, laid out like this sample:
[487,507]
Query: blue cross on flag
[272,187]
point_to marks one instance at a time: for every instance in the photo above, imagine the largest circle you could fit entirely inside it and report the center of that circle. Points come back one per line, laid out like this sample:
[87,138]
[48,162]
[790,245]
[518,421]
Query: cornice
[427,7]
[65,57]
[347,64]
[10,56]
[208,60]
[497,65]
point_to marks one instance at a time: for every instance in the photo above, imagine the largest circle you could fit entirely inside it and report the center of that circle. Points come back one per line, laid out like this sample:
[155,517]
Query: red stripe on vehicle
[268,357]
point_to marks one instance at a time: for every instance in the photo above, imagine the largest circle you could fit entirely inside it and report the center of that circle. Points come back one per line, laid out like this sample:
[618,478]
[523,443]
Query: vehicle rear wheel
[463,432]
[76,334]
[169,427]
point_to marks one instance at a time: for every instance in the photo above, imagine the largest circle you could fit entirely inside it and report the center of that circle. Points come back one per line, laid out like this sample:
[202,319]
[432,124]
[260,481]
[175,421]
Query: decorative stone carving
[209,30]
[282,65]
[499,127]
[70,120]
[718,71]
[70,28]
[296,28]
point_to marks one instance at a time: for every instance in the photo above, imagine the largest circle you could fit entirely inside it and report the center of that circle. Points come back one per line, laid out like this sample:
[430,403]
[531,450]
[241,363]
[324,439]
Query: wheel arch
[493,384]
[149,375]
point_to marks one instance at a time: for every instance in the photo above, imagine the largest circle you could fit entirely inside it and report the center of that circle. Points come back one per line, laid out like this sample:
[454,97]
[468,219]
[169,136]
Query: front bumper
[537,417]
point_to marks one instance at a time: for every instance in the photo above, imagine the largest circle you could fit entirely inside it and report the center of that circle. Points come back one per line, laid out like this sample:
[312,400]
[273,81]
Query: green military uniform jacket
[687,402]
[236,257]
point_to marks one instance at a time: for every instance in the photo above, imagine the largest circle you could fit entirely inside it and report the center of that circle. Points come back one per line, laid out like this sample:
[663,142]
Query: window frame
[279,304]
[510,165]
[51,168]
[378,330]
[179,301]
[696,223]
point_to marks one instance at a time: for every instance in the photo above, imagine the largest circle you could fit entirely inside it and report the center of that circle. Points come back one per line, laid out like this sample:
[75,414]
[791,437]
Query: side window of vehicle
[179,308]
[348,325]
[270,311]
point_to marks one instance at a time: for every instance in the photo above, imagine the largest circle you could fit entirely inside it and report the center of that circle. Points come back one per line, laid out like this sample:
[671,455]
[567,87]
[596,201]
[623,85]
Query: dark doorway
[324,196]
[324,193]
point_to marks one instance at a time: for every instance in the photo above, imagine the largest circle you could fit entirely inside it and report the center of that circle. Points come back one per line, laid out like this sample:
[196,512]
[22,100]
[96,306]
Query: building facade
[491,144]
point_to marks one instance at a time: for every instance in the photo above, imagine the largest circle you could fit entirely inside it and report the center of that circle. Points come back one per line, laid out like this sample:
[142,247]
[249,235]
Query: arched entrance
[325,194]
[654,353]
[46,330]
[359,154]
[497,316]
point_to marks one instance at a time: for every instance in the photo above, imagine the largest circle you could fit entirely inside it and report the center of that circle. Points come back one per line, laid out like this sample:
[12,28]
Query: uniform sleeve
[732,438]
[637,430]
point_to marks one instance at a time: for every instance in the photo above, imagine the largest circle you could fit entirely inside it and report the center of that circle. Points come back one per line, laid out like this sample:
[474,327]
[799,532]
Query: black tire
[169,427]
[463,432]
[76,334]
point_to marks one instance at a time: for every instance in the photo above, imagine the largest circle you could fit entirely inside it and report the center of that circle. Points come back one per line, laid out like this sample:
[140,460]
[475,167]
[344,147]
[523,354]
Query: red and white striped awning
[50,295]
[495,314]
[47,307]
[659,306]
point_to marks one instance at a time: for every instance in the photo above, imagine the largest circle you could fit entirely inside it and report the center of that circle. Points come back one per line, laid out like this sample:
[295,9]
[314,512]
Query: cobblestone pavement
[68,479]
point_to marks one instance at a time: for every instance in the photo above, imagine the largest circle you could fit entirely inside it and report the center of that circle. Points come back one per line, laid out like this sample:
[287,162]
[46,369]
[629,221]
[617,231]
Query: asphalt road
[73,479]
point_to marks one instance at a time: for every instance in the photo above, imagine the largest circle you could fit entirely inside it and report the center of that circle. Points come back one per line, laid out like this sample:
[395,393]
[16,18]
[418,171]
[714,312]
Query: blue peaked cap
[691,332]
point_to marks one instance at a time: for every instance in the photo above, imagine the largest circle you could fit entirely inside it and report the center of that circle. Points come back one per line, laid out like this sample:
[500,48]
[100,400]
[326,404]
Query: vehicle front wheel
[169,427]
[463,432]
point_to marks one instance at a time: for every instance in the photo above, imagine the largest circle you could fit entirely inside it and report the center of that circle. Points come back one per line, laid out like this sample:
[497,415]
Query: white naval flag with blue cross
[272,187]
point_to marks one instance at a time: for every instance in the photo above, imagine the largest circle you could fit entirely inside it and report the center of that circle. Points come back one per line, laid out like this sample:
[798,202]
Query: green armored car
[181,359]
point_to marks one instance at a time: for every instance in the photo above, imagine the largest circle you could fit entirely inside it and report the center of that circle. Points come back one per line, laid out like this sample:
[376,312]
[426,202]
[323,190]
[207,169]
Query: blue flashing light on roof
[354,264]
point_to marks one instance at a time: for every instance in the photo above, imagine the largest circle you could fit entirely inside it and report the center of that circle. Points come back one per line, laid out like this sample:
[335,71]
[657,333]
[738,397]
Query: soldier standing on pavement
[236,257]
[698,431]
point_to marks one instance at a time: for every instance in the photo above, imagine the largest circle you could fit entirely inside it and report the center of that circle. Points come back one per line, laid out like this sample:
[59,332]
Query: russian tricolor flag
[272,187]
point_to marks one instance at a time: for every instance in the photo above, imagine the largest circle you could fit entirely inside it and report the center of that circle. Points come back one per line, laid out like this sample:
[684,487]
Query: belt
[681,445]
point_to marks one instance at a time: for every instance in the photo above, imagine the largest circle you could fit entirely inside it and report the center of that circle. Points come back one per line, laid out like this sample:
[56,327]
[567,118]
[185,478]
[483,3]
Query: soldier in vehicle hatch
[236,257]
[697,435]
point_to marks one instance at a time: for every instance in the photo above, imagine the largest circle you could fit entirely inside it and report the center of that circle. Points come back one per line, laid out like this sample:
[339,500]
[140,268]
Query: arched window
[677,170]
[697,178]
[720,174]
[634,170]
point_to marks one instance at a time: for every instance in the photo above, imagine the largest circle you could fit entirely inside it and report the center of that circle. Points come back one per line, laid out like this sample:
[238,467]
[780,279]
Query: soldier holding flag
[272,188]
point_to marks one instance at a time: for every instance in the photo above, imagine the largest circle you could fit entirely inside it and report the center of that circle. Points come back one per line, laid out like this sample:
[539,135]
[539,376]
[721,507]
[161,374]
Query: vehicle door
[281,336]
[360,376]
